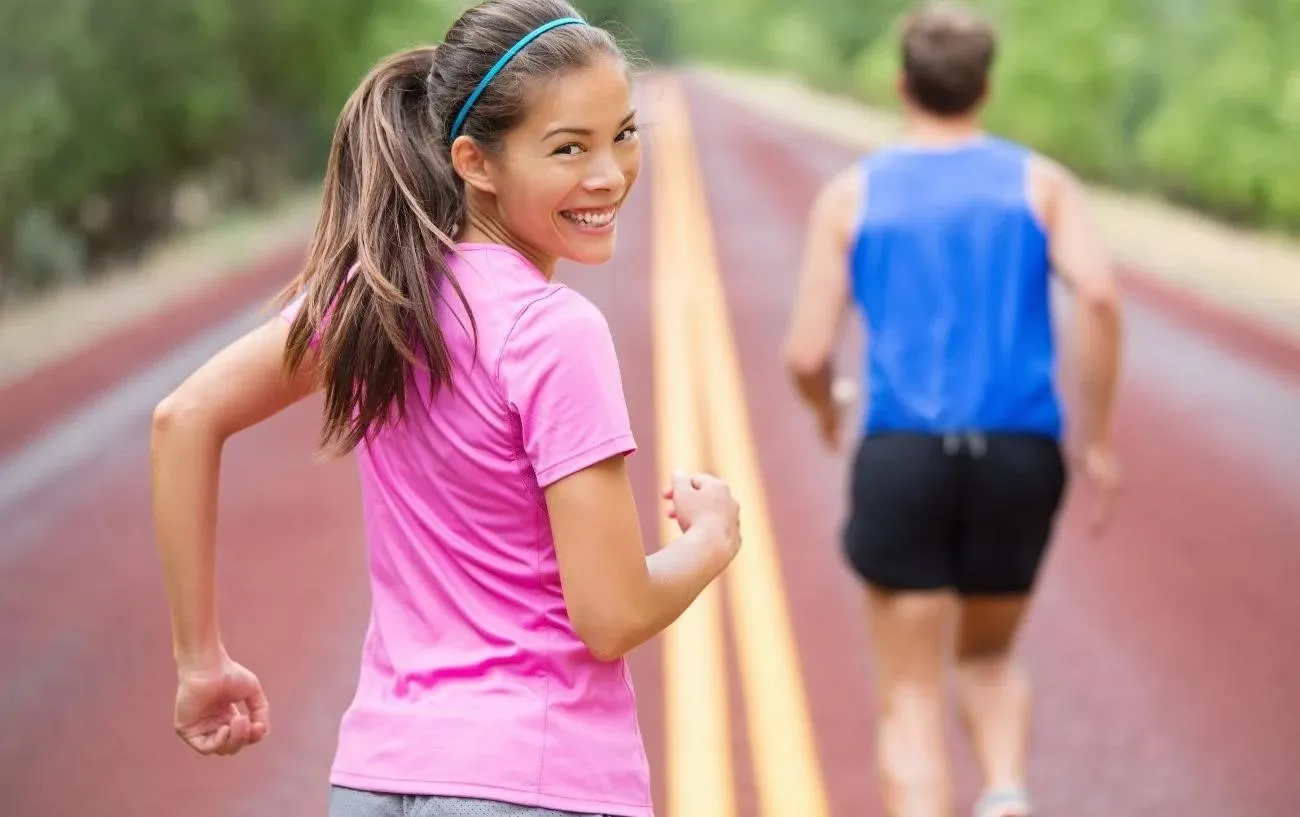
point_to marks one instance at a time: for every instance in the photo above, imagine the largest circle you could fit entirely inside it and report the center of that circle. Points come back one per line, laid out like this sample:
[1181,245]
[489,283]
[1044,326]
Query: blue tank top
[950,270]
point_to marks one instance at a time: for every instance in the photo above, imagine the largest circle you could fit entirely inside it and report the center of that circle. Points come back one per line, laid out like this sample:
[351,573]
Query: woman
[484,403]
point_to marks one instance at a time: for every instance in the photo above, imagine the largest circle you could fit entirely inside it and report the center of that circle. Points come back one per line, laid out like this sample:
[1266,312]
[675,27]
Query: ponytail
[373,272]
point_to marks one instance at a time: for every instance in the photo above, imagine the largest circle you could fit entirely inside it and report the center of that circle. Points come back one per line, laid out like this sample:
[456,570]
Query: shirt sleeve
[560,374]
[291,309]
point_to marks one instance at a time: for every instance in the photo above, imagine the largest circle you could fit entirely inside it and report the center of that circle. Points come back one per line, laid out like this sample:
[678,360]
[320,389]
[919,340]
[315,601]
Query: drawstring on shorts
[974,442]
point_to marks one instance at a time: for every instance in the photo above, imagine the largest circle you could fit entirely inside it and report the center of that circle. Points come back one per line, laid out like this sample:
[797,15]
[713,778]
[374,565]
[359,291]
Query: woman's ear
[471,164]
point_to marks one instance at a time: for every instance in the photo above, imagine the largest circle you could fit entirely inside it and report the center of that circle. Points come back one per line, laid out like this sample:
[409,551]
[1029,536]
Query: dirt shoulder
[36,333]
[1251,273]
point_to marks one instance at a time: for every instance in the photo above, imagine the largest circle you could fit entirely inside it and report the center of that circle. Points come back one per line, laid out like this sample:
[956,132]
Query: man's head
[947,54]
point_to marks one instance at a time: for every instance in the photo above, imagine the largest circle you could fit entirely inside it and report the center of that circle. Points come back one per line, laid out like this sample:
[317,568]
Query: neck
[927,130]
[483,228]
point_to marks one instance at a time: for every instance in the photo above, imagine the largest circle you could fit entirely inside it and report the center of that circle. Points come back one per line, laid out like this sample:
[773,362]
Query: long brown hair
[393,205]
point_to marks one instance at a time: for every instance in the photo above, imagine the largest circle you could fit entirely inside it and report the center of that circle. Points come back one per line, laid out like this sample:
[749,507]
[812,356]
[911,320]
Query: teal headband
[501,63]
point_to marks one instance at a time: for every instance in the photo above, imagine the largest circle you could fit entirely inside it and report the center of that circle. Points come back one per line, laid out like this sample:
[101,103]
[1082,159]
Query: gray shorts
[353,803]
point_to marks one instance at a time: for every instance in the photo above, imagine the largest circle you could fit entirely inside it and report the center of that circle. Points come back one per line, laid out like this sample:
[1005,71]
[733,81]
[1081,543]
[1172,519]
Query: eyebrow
[586,131]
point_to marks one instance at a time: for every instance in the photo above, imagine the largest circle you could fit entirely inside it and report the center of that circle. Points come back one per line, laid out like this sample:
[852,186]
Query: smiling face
[555,186]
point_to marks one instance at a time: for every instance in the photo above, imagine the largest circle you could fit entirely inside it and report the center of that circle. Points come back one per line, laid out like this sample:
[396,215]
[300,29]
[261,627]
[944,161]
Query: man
[946,242]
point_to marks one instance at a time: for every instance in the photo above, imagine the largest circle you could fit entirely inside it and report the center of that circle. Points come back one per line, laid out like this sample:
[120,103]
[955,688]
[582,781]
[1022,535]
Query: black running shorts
[971,513]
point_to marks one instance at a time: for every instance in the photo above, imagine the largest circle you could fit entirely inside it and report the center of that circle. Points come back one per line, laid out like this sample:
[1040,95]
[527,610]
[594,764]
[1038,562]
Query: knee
[914,704]
[984,650]
[988,667]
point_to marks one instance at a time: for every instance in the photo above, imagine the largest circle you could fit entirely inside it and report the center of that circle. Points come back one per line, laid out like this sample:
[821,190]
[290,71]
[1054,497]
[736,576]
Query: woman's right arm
[616,595]
[241,385]
[560,374]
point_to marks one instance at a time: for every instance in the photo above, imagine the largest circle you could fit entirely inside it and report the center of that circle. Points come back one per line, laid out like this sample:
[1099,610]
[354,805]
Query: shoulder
[844,188]
[557,323]
[559,311]
[1051,184]
[839,202]
[559,370]
[1050,170]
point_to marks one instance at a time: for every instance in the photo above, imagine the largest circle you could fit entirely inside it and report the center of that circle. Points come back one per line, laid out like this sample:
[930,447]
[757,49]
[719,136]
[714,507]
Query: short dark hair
[947,52]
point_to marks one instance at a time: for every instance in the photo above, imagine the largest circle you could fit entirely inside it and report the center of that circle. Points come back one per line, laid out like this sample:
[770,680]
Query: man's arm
[1080,258]
[823,294]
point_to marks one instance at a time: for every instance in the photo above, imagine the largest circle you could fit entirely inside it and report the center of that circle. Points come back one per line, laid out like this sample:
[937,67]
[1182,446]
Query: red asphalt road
[1160,652]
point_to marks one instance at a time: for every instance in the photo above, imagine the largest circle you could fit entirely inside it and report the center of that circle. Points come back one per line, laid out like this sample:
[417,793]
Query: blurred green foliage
[113,108]
[1194,100]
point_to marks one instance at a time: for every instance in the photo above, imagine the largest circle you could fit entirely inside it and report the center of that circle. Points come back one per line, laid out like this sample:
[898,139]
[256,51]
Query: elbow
[607,637]
[165,415]
[1102,301]
[805,365]
[170,412]
[607,651]
[177,412]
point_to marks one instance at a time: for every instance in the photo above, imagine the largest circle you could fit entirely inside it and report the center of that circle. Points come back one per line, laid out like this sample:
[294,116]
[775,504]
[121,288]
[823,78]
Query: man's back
[950,267]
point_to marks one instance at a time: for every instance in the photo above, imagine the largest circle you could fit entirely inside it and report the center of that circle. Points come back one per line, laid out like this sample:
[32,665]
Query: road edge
[40,398]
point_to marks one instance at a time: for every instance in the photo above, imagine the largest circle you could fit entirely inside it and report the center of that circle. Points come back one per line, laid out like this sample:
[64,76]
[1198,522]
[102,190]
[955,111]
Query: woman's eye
[570,149]
[628,132]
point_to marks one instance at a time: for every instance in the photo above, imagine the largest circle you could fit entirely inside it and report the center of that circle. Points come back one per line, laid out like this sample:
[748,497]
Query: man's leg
[1010,499]
[993,690]
[910,634]
[899,541]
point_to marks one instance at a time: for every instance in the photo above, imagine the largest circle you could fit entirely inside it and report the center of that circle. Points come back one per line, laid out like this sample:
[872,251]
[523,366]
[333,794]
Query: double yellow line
[704,425]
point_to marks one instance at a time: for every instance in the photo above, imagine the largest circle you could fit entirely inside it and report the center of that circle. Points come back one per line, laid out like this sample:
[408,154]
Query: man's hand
[1100,468]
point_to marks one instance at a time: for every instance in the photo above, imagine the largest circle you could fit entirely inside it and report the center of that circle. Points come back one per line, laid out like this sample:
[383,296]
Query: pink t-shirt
[473,682]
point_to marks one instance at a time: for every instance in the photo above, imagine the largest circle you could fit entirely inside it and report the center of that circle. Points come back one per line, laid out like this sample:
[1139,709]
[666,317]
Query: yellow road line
[700,777]
[784,755]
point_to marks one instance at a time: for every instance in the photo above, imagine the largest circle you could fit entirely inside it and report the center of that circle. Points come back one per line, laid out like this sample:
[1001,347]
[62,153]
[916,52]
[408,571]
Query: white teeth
[590,218]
